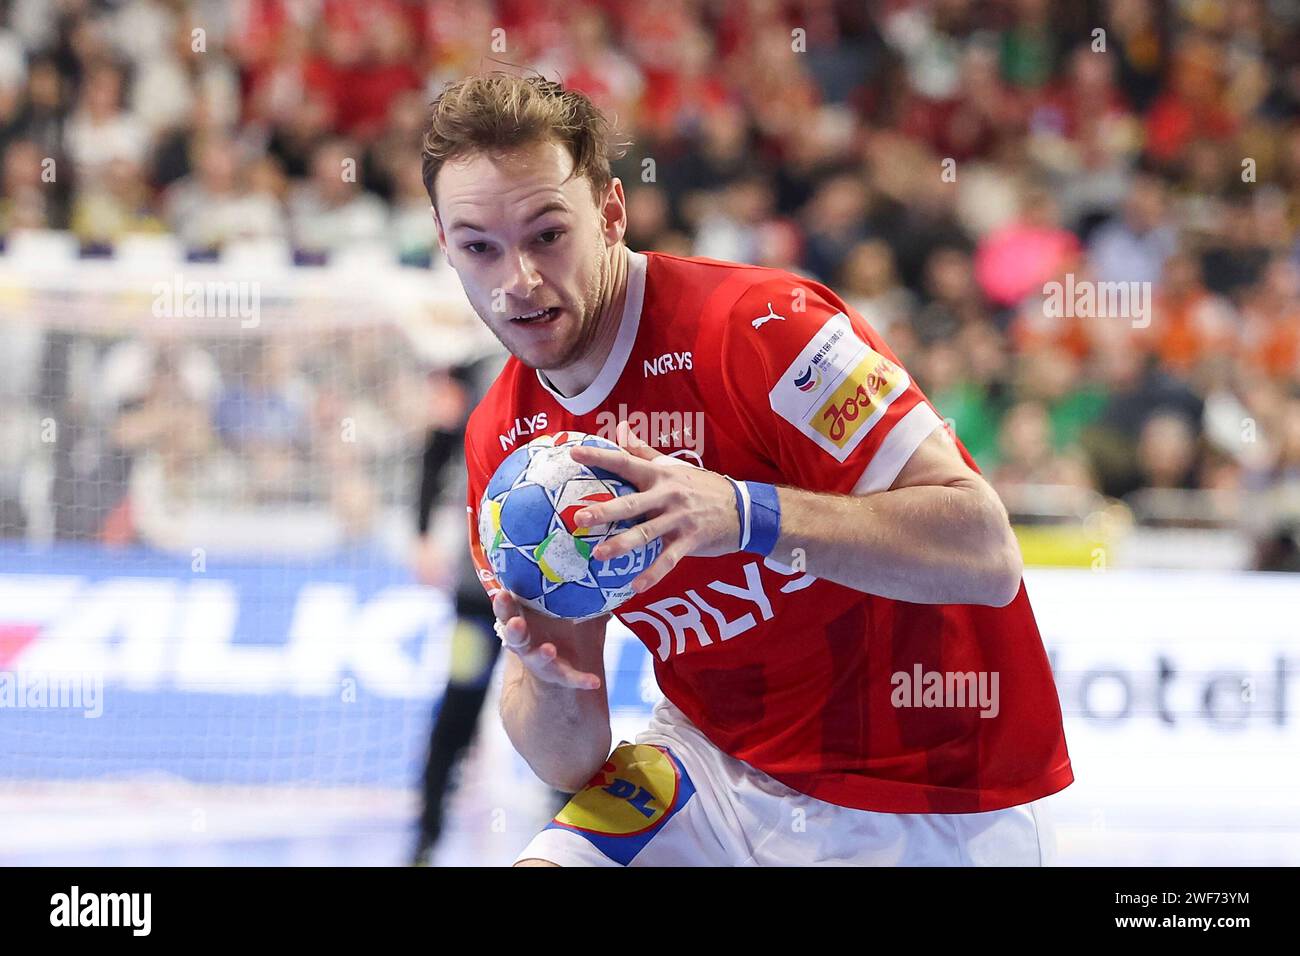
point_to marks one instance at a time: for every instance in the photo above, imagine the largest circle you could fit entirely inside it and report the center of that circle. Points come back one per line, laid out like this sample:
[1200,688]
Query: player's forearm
[933,544]
[562,733]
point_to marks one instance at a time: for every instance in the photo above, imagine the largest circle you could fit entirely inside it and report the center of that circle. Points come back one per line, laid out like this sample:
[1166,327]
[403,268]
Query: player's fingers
[514,634]
[638,471]
[546,663]
[634,445]
[504,606]
[667,560]
[634,537]
[623,508]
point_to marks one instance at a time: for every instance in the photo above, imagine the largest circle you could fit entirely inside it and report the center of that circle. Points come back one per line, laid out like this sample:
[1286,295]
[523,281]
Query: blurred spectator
[649,217]
[1189,323]
[266,405]
[1015,261]
[710,160]
[40,117]
[412,230]
[1166,452]
[161,438]
[868,281]
[27,202]
[1134,248]
[369,52]
[1136,389]
[1053,377]
[1234,258]
[952,299]
[1026,457]
[101,131]
[729,229]
[1271,320]
[969,406]
[834,221]
[331,209]
[295,140]
[1277,486]
[212,206]
[21,348]
[1193,105]
[263,418]
[590,60]
[976,117]
[115,204]
[387,158]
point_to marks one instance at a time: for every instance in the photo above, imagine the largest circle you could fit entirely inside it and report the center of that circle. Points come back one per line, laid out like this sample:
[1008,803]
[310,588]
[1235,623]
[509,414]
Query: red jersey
[766,376]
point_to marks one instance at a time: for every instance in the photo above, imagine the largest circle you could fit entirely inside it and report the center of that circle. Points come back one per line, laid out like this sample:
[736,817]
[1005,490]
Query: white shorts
[674,799]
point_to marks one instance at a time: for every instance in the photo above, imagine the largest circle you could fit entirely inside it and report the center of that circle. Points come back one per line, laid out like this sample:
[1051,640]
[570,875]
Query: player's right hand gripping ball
[536,549]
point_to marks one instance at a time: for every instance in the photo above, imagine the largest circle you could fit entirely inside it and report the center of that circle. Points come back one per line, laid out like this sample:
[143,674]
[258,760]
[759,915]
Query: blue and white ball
[535,546]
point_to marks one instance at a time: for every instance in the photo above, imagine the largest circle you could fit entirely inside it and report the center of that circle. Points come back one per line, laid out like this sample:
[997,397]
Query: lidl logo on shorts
[628,801]
[837,388]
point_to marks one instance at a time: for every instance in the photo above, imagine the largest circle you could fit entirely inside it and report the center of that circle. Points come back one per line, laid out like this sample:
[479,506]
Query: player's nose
[521,278]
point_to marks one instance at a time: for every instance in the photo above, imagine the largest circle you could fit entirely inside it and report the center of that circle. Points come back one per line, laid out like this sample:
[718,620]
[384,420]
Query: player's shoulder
[732,297]
[726,283]
[494,404]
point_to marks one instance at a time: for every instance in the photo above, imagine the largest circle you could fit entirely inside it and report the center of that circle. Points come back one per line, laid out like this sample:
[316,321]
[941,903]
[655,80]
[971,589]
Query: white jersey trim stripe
[899,445]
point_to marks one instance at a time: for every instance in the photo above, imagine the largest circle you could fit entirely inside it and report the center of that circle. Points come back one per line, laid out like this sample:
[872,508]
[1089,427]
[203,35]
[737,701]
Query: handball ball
[537,549]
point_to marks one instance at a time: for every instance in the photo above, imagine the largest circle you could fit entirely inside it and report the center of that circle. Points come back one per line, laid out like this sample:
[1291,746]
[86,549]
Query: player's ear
[613,212]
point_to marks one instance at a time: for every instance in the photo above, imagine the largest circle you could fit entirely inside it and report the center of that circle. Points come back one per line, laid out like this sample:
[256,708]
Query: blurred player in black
[474,644]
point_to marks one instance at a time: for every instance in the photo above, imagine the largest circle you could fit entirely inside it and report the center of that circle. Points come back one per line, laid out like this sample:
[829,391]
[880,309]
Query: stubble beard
[588,315]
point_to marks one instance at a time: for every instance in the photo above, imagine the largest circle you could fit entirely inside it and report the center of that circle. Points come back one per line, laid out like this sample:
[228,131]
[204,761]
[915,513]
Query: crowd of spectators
[935,162]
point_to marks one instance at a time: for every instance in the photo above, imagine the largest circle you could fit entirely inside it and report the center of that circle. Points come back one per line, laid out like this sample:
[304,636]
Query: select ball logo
[537,549]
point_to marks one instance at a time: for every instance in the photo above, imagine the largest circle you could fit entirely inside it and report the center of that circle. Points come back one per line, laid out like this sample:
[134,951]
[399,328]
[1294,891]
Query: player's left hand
[693,510]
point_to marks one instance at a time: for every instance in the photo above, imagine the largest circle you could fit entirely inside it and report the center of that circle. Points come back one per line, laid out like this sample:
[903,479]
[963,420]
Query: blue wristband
[758,510]
[764,514]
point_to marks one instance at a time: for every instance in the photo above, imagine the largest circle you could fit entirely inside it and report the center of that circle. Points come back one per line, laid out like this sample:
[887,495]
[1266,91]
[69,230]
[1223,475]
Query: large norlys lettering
[728,610]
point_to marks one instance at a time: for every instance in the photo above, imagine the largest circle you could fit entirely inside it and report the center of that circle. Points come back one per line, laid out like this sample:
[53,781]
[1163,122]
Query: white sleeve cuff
[899,445]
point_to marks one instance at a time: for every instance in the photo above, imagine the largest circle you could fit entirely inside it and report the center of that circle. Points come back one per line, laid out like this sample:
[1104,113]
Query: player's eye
[550,236]
[475,248]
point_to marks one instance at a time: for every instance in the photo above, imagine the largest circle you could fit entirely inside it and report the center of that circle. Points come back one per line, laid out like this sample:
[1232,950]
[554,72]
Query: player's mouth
[537,316]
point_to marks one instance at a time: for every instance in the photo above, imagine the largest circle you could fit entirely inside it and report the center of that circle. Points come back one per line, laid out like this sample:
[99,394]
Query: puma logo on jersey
[771,314]
[521,428]
[668,362]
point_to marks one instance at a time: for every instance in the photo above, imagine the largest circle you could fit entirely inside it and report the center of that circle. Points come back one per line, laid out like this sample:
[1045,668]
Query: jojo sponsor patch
[837,388]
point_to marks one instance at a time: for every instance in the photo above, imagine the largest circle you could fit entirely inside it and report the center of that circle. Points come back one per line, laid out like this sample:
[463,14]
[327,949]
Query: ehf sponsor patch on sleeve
[838,388]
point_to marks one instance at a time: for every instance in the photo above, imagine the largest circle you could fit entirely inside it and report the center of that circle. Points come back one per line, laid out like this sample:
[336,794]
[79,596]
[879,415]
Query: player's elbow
[571,774]
[1006,582]
[1004,566]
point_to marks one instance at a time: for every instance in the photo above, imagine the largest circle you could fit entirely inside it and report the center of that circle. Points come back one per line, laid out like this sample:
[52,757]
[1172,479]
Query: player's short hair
[496,111]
